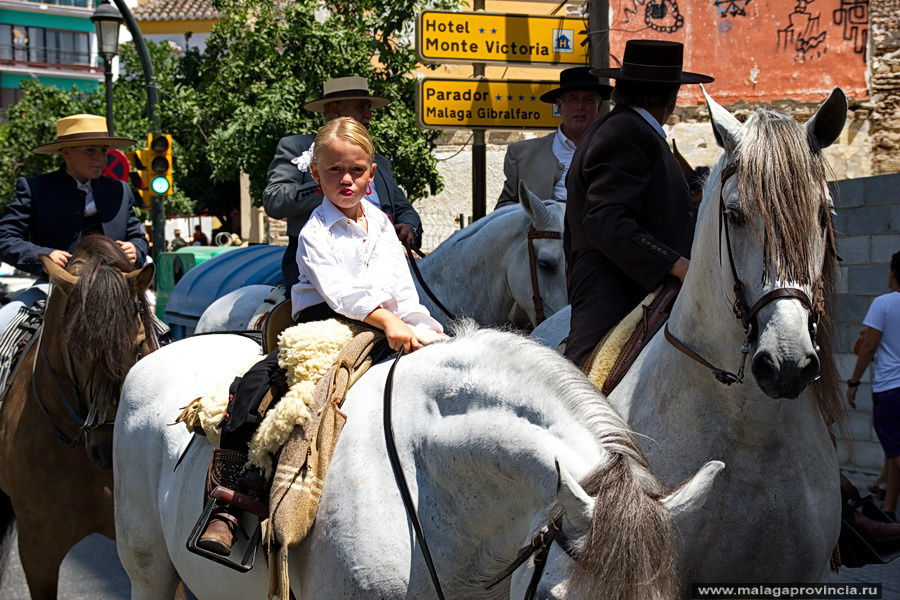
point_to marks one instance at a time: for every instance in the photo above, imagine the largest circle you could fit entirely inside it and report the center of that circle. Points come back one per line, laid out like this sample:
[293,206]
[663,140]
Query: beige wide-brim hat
[82,130]
[345,88]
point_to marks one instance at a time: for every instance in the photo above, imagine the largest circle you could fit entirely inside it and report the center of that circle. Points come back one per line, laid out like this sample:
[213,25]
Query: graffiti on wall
[804,34]
[854,16]
[663,16]
[731,8]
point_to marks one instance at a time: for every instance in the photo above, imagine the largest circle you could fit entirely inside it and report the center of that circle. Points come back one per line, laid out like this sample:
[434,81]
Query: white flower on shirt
[304,160]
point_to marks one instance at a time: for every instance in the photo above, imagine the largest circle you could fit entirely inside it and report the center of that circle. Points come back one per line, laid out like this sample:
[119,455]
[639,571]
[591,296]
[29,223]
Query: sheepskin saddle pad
[617,351]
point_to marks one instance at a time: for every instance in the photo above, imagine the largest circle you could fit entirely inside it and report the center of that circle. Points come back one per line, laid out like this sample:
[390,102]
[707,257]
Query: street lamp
[106,23]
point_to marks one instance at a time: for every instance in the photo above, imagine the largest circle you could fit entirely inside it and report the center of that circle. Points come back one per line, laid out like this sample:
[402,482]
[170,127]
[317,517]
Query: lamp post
[107,21]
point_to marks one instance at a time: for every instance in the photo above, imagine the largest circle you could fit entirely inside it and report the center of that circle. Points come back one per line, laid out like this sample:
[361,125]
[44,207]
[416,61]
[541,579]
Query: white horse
[775,513]
[482,272]
[492,431]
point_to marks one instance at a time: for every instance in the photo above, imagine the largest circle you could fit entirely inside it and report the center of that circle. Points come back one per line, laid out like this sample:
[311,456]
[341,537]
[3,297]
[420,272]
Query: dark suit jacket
[48,211]
[627,221]
[288,191]
[534,162]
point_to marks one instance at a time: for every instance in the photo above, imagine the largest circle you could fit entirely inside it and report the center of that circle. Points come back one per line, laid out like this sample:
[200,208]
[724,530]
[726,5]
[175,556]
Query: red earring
[368,189]
[318,189]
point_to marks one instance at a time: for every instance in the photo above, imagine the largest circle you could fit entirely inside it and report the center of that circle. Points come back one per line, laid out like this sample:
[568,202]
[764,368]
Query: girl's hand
[399,336]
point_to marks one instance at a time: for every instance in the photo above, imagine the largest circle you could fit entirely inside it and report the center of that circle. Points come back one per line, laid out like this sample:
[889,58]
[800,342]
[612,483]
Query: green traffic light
[159,185]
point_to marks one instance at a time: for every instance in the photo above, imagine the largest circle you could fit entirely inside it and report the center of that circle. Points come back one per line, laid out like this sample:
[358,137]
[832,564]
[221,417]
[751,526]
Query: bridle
[72,396]
[537,300]
[540,542]
[539,546]
[746,315]
[536,234]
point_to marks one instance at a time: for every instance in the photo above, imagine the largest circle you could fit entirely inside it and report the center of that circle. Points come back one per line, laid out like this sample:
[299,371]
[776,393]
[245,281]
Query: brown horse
[56,418]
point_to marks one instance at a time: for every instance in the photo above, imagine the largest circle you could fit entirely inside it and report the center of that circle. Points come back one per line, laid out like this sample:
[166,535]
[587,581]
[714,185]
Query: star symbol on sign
[509,97]
[521,97]
[533,98]
[481,30]
[494,30]
[499,97]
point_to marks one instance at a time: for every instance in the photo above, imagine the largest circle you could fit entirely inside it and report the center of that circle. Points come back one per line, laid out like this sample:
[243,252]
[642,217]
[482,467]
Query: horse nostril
[764,368]
[810,372]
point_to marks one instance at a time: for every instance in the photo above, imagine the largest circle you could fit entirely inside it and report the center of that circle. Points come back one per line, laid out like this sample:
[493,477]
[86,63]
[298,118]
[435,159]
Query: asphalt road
[92,571]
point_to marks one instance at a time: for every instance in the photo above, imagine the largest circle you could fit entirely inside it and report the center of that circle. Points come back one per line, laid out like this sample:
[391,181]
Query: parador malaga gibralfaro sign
[456,37]
[488,103]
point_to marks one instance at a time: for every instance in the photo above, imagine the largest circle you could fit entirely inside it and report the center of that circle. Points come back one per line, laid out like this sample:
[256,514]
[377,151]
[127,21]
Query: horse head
[585,558]
[95,329]
[768,208]
[540,291]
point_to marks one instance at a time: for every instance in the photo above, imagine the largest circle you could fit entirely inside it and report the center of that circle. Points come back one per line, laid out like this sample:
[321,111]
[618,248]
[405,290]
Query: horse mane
[782,179]
[629,552]
[99,315]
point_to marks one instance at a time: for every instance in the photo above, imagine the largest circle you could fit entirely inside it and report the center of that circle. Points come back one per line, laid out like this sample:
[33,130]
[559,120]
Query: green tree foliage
[227,107]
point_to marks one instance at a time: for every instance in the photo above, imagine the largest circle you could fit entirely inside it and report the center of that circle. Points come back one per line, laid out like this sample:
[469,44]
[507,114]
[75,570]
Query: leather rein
[537,300]
[540,542]
[746,315]
[76,392]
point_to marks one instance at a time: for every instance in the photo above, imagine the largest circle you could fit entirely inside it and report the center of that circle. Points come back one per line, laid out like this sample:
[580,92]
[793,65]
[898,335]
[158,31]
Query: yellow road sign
[487,103]
[456,37]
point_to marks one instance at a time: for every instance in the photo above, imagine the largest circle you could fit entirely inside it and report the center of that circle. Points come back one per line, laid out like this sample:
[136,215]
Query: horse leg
[143,553]
[41,555]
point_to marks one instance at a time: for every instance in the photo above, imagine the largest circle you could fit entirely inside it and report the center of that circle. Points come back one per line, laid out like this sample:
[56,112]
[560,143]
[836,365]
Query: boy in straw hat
[51,212]
[542,163]
[628,222]
[291,192]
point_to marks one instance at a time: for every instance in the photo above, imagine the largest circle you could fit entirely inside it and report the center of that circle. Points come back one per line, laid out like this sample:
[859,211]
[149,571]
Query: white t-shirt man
[884,315]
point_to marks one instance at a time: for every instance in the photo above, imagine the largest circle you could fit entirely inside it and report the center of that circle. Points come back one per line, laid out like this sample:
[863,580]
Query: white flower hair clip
[304,160]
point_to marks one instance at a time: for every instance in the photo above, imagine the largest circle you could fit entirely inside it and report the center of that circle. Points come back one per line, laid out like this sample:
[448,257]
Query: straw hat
[345,88]
[82,130]
[653,61]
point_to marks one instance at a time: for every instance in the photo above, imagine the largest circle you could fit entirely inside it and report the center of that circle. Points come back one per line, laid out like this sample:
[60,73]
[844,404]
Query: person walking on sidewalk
[879,344]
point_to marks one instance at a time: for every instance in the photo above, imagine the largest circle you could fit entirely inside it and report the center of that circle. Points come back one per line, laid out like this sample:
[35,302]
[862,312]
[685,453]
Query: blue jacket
[48,211]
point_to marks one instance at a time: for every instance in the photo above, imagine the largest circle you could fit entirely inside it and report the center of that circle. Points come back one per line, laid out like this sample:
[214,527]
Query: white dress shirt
[90,207]
[651,119]
[355,271]
[563,150]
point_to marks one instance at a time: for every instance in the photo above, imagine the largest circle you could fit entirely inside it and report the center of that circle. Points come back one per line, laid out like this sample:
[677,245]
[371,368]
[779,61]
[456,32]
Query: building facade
[52,41]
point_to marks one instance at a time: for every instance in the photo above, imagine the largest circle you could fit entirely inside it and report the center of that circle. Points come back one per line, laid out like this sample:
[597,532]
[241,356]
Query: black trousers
[247,392]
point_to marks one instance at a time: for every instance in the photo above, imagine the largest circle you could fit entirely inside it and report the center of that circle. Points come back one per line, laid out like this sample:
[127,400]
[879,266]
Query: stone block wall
[884,83]
[868,224]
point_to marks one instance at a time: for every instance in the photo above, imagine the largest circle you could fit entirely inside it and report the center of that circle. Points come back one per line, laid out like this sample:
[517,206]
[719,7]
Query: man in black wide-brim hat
[628,222]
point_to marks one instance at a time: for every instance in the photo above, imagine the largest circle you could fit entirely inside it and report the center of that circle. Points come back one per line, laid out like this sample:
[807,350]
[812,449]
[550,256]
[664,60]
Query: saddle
[22,331]
[620,347]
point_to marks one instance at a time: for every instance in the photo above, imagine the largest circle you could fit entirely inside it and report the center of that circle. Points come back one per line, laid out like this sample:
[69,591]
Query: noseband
[540,548]
[746,315]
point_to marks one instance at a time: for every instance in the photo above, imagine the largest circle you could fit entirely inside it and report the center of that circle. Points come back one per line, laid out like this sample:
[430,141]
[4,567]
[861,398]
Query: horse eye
[546,264]
[735,216]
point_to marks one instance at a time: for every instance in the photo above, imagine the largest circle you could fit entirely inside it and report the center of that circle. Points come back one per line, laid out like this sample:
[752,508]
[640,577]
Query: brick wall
[868,223]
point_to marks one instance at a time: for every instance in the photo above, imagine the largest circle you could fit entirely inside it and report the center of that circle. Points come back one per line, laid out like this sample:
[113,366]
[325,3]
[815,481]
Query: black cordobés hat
[653,61]
[577,79]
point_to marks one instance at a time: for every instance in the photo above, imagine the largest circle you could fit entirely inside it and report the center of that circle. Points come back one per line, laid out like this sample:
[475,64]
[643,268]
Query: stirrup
[245,503]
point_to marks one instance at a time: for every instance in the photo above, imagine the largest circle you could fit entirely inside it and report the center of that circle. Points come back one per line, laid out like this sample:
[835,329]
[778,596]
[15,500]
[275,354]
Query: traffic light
[158,156]
[140,174]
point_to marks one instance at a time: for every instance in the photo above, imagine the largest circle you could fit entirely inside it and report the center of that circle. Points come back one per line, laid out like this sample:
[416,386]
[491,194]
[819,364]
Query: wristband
[851,383]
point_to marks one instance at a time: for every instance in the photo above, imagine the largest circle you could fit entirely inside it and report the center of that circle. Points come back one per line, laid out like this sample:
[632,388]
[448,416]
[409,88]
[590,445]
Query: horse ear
[576,503]
[57,274]
[140,280]
[693,493]
[533,206]
[726,127]
[824,128]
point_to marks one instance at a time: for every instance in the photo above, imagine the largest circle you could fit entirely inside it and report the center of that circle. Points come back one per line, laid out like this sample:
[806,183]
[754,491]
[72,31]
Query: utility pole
[157,203]
[479,155]
[598,22]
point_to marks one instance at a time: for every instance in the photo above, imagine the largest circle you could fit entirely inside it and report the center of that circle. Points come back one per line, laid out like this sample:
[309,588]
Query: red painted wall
[758,50]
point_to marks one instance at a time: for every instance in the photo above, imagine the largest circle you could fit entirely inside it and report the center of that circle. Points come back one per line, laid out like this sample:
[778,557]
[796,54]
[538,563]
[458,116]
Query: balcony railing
[60,58]
[73,3]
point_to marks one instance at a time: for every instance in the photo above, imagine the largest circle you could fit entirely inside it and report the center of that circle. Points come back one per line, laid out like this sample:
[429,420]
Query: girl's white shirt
[355,271]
